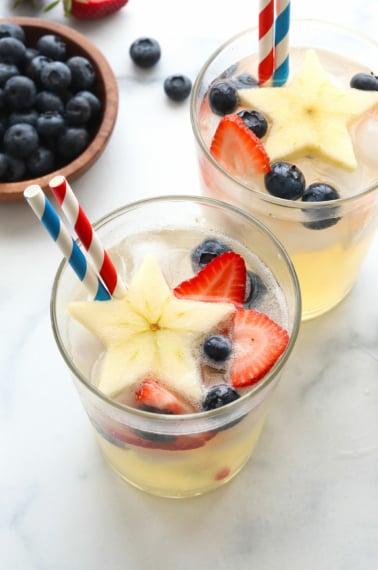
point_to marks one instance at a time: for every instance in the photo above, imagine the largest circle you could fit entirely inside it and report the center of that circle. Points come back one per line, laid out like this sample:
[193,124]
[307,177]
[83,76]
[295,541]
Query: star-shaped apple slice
[150,333]
[310,116]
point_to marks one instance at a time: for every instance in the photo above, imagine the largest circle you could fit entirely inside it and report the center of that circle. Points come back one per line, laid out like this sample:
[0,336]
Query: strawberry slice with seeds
[155,397]
[89,9]
[257,343]
[238,149]
[164,442]
[221,280]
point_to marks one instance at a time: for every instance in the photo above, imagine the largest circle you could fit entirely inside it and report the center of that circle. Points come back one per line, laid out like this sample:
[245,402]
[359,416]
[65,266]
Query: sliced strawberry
[92,9]
[153,395]
[258,342]
[238,149]
[223,279]
[165,443]
[123,436]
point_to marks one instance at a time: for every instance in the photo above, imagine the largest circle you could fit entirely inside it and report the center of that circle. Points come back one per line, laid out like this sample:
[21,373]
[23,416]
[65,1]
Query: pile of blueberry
[48,108]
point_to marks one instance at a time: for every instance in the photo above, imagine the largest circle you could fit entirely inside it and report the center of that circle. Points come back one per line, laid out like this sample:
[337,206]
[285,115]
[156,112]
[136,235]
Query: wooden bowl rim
[13,191]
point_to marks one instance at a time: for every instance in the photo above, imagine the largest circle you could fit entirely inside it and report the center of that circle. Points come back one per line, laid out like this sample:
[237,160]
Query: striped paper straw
[281,42]
[44,211]
[266,40]
[91,242]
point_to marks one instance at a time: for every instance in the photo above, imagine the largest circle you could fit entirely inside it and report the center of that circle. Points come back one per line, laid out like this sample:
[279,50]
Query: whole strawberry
[92,9]
[85,9]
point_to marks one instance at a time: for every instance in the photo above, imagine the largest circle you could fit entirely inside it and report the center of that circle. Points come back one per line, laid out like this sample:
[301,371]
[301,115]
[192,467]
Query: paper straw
[266,40]
[50,220]
[91,242]
[281,42]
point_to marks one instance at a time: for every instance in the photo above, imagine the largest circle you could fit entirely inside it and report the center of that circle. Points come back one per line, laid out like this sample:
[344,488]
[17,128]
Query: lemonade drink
[316,122]
[153,427]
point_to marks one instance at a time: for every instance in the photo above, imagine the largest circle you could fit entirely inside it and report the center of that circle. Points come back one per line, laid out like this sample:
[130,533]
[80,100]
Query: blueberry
[20,140]
[285,180]
[365,81]
[177,87]
[72,143]
[15,169]
[50,124]
[40,162]
[52,46]
[3,123]
[217,347]
[30,53]
[229,72]
[154,437]
[218,396]
[47,101]
[55,76]
[205,252]
[34,67]
[324,217]
[254,291]
[7,70]
[254,121]
[223,98]
[93,100]
[12,30]
[145,52]
[12,51]
[77,111]
[82,72]
[20,92]
[245,81]
[30,116]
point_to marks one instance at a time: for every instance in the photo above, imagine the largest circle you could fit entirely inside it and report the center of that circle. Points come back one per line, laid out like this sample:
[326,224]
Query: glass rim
[281,202]
[256,389]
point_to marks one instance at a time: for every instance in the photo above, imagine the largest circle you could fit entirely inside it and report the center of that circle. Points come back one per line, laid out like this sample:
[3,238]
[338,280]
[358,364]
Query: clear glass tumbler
[170,455]
[327,241]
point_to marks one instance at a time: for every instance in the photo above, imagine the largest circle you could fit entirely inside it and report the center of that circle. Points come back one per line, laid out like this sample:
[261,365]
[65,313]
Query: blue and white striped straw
[45,212]
[281,43]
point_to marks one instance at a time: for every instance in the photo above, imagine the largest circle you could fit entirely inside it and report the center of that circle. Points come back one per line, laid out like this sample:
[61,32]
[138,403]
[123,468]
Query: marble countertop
[309,497]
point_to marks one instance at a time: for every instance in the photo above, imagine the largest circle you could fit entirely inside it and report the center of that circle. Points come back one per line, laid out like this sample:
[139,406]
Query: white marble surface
[309,497]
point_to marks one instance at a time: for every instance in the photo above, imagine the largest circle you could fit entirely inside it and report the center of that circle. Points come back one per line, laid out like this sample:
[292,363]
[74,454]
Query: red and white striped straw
[84,230]
[266,40]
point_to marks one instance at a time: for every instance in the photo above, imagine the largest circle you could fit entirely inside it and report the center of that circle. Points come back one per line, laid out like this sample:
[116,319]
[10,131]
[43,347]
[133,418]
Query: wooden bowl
[105,88]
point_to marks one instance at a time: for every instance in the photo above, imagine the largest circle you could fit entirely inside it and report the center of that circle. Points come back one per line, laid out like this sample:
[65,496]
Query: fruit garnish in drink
[163,344]
[223,280]
[155,398]
[238,149]
[285,180]
[258,342]
[150,332]
[310,115]
[205,252]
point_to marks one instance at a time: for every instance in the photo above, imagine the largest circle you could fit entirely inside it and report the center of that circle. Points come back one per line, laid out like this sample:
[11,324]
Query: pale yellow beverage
[327,240]
[150,415]
[187,472]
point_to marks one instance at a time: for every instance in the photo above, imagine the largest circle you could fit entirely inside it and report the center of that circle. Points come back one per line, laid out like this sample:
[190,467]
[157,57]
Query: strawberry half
[91,9]
[125,437]
[257,343]
[238,149]
[153,395]
[221,280]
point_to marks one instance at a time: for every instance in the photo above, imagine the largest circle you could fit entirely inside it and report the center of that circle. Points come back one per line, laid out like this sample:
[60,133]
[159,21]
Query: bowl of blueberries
[58,104]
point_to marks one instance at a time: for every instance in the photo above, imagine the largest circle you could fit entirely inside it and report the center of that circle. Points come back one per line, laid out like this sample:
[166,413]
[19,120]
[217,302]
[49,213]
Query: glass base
[190,493]
[186,473]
